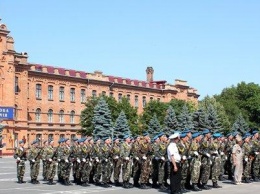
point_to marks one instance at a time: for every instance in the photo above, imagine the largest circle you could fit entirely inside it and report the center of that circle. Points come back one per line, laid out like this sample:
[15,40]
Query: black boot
[51,182]
[162,187]
[221,178]
[85,184]
[143,186]
[204,187]
[183,189]
[118,184]
[33,181]
[216,186]
[136,184]
[22,180]
[125,185]
[19,181]
[247,180]
[37,182]
[195,187]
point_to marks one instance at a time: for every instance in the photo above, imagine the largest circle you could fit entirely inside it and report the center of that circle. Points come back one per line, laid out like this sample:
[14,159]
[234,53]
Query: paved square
[8,185]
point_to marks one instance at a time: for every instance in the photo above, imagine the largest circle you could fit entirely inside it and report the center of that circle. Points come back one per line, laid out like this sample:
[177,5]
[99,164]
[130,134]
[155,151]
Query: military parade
[143,162]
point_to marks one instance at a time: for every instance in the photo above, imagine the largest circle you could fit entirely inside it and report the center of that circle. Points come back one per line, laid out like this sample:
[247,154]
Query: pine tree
[170,121]
[199,120]
[240,125]
[154,126]
[212,119]
[121,126]
[185,119]
[102,121]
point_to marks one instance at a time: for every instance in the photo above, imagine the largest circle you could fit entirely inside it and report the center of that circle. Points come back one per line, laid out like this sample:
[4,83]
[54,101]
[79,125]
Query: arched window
[38,91]
[50,115]
[61,116]
[72,116]
[144,101]
[50,92]
[38,115]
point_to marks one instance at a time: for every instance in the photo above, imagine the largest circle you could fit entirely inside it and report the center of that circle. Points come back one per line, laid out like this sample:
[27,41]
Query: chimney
[149,74]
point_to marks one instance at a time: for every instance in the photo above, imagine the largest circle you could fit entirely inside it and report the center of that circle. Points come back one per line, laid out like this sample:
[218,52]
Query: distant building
[48,100]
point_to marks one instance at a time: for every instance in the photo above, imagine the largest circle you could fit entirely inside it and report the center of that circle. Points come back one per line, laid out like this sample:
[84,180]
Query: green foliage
[240,125]
[185,119]
[212,119]
[121,127]
[170,121]
[177,105]
[199,120]
[102,121]
[154,126]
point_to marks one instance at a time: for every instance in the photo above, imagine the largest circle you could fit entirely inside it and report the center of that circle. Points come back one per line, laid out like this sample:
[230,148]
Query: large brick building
[48,100]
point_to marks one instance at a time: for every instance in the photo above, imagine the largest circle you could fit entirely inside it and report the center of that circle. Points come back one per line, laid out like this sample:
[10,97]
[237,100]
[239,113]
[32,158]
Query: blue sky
[211,44]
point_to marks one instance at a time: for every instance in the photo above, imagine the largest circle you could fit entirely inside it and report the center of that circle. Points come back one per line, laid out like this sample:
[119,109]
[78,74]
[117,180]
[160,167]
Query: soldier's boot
[216,186]
[125,185]
[130,185]
[247,180]
[68,182]
[143,186]
[162,187]
[183,189]
[37,182]
[136,184]
[117,183]
[51,182]
[85,184]
[205,187]
[22,181]
[195,187]
[19,181]
[33,181]
[221,178]
[155,185]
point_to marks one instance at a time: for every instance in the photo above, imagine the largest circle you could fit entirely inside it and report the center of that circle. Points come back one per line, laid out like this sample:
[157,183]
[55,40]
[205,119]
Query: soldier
[247,157]
[97,162]
[136,160]
[228,148]
[216,159]
[44,162]
[116,161]
[125,155]
[155,161]
[34,158]
[205,160]
[183,150]
[237,157]
[85,150]
[79,163]
[20,156]
[59,152]
[75,152]
[256,161]
[50,156]
[196,160]
[66,162]
[106,161]
[144,154]
[223,157]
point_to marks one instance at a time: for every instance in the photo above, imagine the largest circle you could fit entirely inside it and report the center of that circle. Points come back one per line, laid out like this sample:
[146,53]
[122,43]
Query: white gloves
[256,153]
[90,164]
[50,160]
[137,158]
[78,160]
[33,160]
[83,160]
[216,152]
[58,160]
[144,157]
[163,158]
[184,157]
[116,157]
[18,159]
[127,158]
[246,159]
[208,155]
[67,161]
[106,160]
[222,153]
[196,153]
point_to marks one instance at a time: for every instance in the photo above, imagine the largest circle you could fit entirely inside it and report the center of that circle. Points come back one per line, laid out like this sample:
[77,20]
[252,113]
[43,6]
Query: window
[144,101]
[151,98]
[111,94]
[82,95]
[50,115]
[39,137]
[136,101]
[128,97]
[16,87]
[38,115]
[50,92]
[72,116]
[120,97]
[158,99]
[103,93]
[72,94]
[15,112]
[61,116]
[61,94]
[38,91]
[94,93]
[50,136]
[72,136]
[62,136]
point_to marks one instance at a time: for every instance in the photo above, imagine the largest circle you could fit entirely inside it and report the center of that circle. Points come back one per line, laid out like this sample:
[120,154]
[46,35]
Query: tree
[212,120]
[154,126]
[177,105]
[121,127]
[185,119]
[102,120]
[199,120]
[170,121]
[240,124]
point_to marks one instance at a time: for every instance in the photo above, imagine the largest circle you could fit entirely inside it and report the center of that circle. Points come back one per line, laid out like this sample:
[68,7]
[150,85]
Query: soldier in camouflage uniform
[144,154]
[196,161]
[34,157]
[59,152]
[106,161]
[125,155]
[50,155]
[183,148]
[136,161]
[155,161]
[216,159]
[205,167]
[117,162]
[85,162]
[256,161]
[44,162]
[75,152]
[229,146]
[247,147]
[65,162]
[97,168]
[20,156]
[223,157]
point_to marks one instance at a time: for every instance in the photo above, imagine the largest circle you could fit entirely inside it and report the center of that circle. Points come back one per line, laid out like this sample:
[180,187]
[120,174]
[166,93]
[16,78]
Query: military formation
[205,156]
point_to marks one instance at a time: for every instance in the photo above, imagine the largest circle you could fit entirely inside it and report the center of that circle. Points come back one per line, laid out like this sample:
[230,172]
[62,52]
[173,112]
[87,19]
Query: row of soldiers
[204,156]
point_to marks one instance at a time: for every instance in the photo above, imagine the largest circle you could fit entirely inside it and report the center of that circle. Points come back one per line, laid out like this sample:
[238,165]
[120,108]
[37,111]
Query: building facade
[48,100]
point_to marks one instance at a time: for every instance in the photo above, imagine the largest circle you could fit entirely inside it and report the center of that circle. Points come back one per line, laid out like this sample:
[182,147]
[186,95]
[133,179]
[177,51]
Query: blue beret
[21,141]
[247,135]
[160,134]
[197,134]
[183,134]
[186,131]
[126,136]
[145,134]
[255,131]
[206,131]
[34,142]
[235,133]
[217,135]
[155,137]
[229,134]
[75,139]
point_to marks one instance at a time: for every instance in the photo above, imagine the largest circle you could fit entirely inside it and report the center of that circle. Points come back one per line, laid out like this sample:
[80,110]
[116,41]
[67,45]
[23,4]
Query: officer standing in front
[20,156]
[175,159]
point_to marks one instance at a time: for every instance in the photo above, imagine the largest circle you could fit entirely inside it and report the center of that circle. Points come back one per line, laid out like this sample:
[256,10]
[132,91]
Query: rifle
[39,153]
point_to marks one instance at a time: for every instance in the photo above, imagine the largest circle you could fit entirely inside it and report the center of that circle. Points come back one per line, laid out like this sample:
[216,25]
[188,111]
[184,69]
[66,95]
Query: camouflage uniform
[97,163]
[161,154]
[125,151]
[247,161]
[136,163]
[44,163]
[50,155]
[223,158]
[20,156]
[256,161]
[34,158]
[59,153]
[183,148]
[216,162]
[85,164]
[229,163]
[117,162]
[155,163]
[75,159]
[106,164]
[65,164]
